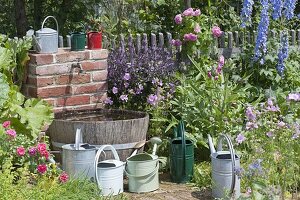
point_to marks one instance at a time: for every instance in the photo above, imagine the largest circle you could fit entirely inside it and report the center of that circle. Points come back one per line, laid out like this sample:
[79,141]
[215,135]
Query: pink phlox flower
[240,138]
[21,151]
[221,60]
[188,12]
[209,74]
[126,76]
[11,132]
[42,168]
[124,97]
[63,177]
[197,28]
[178,19]
[115,90]
[251,125]
[190,37]
[45,154]
[293,97]
[216,31]
[216,77]
[176,42]
[6,124]
[108,101]
[197,12]
[32,151]
[41,147]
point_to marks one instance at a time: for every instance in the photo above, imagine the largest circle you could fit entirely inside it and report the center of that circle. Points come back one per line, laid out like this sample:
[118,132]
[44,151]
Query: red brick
[100,75]
[98,54]
[53,91]
[40,81]
[71,56]
[73,100]
[41,59]
[89,88]
[73,78]
[50,69]
[94,65]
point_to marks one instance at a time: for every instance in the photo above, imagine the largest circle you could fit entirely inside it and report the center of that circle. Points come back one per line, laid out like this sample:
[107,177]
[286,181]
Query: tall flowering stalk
[262,33]
[277,8]
[283,53]
[289,8]
[246,12]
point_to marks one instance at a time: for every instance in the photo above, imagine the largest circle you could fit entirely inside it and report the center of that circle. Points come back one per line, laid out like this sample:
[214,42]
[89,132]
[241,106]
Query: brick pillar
[52,78]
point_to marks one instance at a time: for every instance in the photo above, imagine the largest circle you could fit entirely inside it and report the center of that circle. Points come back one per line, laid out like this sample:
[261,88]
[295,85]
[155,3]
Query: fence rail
[229,43]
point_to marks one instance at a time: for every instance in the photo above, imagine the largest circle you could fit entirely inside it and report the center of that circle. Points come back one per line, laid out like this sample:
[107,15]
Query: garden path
[171,191]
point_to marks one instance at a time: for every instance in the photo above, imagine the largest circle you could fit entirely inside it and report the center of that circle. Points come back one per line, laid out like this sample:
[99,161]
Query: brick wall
[52,77]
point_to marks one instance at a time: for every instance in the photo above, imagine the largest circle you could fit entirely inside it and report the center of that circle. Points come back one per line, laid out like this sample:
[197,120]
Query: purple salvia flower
[293,97]
[115,90]
[289,8]
[108,101]
[126,77]
[246,12]
[277,8]
[152,99]
[124,97]
[250,114]
[240,138]
[262,33]
[282,53]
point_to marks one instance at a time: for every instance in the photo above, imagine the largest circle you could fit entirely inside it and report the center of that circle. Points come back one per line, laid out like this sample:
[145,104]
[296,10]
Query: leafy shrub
[202,173]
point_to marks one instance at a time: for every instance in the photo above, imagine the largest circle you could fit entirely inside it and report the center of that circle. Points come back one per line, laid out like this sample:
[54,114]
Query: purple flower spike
[250,114]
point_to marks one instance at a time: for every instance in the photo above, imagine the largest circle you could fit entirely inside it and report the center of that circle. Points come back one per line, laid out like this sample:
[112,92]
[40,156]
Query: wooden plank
[61,41]
[254,37]
[230,40]
[122,42]
[145,42]
[169,41]
[104,42]
[298,37]
[222,40]
[138,43]
[161,40]
[153,40]
[293,37]
[68,40]
[236,38]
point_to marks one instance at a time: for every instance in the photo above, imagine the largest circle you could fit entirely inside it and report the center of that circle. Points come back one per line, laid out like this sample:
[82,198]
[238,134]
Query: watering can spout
[211,144]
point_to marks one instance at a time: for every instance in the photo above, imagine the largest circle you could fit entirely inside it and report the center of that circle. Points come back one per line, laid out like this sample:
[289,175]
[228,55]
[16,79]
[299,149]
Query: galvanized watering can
[225,181]
[78,159]
[181,156]
[46,39]
[109,173]
[142,170]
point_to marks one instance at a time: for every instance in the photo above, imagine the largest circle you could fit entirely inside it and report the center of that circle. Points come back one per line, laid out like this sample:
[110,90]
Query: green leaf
[4,89]
[5,59]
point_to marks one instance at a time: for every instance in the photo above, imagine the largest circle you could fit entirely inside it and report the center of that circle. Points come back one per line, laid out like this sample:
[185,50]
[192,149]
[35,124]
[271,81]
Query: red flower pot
[94,40]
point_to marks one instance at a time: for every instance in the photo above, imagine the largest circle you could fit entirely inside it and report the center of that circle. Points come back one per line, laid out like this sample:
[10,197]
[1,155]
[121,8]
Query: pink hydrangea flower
[21,151]
[6,124]
[41,147]
[197,12]
[216,31]
[188,12]
[42,168]
[178,19]
[197,28]
[11,132]
[190,37]
[63,177]
[176,42]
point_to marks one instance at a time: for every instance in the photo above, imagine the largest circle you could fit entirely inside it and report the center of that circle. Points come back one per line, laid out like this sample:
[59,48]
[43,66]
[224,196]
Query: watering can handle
[232,154]
[100,150]
[183,144]
[54,20]
[78,138]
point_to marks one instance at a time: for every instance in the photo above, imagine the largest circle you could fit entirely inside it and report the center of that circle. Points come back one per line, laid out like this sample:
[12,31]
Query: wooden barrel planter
[121,128]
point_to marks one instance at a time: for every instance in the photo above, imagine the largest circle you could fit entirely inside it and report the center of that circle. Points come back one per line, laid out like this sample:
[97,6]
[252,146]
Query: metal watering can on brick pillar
[225,181]
[46,39]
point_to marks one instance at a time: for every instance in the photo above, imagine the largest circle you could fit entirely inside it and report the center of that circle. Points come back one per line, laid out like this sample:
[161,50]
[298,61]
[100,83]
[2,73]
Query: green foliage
[202,175]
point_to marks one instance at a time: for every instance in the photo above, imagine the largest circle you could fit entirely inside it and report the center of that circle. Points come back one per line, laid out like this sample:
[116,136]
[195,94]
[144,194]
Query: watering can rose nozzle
[211,144]
[155,141]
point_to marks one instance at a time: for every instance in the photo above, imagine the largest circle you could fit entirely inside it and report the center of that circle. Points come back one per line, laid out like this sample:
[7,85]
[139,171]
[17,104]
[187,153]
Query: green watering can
[78,40]
[181,156]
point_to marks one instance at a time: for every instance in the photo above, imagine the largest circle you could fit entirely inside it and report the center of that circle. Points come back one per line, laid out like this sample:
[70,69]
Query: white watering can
[225,181]
[46,39]
[109,173]
[78,158]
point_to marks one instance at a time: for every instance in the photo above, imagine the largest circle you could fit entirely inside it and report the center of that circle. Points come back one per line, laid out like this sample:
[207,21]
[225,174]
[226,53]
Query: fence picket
[138,43]
[298,35]
[230,40]
[236,38]
[153,40]
[161,39]
[293,37]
